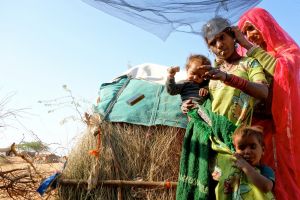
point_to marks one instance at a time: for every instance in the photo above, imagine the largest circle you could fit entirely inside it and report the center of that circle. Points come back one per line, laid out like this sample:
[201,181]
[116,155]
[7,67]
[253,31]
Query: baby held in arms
[195,87]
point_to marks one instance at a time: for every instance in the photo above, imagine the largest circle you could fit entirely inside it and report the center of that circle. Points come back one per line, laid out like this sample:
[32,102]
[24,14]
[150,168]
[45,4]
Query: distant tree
[36,146]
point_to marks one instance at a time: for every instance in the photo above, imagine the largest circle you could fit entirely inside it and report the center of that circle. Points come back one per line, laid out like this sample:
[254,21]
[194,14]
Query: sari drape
[282,151]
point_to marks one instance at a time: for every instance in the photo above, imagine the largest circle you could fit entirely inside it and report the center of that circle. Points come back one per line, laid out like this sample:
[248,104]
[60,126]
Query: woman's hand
[215,74]
[240,38]
[254,89]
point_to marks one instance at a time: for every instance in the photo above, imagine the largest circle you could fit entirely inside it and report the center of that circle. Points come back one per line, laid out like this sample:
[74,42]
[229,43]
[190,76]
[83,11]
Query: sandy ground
[9,163]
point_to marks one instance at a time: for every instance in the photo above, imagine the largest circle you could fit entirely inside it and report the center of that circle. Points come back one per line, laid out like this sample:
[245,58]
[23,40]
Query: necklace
[227,67]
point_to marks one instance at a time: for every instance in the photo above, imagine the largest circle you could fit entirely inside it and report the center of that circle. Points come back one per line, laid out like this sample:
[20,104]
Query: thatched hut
[136,133]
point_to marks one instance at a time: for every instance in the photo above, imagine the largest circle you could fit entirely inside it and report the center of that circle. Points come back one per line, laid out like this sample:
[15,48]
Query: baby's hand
[203,92]
[187,106]
[173,70]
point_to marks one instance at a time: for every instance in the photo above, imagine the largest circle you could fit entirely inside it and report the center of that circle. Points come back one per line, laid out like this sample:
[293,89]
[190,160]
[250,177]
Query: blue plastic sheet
[51,181]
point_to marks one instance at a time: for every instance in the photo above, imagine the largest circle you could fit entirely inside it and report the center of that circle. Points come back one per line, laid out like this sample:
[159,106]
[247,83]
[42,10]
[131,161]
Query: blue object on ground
[50,181]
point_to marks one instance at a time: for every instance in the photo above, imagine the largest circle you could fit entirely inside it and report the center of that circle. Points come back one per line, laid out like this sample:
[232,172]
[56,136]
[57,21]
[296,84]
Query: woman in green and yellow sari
[235,84]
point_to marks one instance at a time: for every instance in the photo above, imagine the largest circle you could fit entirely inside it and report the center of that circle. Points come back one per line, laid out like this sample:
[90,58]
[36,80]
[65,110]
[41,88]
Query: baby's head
[194,67]
[248,142]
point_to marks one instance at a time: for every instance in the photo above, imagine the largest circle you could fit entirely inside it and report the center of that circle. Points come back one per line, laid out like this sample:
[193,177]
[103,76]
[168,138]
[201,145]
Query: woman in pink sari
[279,54]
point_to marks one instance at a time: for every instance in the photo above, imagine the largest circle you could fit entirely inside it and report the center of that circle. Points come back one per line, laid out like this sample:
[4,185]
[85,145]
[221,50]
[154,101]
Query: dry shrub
[127,152]
[18,180]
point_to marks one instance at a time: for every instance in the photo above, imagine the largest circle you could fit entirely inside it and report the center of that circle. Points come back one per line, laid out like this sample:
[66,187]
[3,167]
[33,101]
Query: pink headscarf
[286,98]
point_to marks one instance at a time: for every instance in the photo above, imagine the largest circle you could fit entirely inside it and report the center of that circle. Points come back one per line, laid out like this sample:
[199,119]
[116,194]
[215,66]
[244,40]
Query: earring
[236,45]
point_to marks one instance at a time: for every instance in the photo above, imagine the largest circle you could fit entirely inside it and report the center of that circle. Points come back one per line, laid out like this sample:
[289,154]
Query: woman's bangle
[236,82]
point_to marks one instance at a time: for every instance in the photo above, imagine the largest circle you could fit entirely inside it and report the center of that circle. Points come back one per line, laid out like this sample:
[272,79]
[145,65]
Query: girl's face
[253,35]
[222,45]
[249,148]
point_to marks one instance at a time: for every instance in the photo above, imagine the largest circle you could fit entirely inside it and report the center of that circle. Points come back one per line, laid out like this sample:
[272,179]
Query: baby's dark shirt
[187,89]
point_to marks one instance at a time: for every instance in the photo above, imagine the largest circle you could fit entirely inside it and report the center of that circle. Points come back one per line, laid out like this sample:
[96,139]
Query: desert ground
[19,180]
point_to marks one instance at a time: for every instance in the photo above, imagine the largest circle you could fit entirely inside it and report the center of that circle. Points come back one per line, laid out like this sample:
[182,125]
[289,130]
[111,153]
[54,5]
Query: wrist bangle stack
[236,82]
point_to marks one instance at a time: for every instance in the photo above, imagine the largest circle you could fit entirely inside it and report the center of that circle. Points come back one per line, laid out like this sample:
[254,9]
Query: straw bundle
[127,152]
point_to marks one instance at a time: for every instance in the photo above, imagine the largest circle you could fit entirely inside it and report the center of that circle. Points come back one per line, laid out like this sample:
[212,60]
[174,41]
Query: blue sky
[46,44]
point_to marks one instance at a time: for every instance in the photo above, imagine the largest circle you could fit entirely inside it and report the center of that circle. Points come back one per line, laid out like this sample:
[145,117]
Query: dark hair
[246,131]
[200,59]
[229,31]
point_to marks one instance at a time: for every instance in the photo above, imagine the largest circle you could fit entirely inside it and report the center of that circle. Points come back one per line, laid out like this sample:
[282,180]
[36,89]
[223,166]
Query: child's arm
[261,182]
[172,71]
[173,88]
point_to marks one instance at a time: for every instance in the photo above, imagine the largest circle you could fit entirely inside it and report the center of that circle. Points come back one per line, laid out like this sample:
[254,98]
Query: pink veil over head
[286,100]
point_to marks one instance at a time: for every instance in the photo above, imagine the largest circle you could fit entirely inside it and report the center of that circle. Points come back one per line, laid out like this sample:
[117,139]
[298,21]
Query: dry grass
[127,152]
